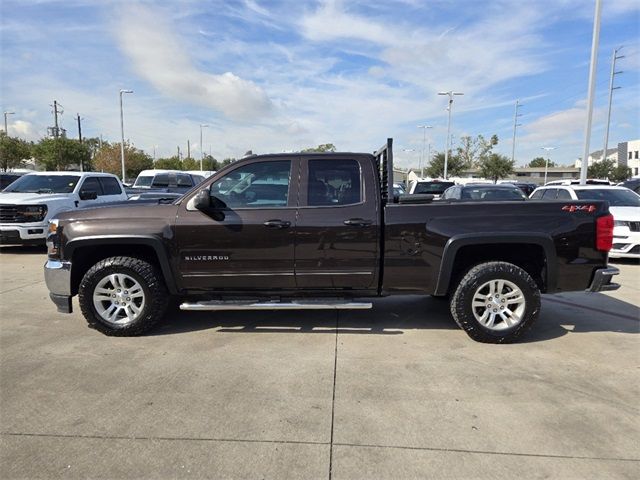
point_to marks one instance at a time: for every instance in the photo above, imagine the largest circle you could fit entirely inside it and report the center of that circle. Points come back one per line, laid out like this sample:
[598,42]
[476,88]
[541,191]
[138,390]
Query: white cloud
[158,56]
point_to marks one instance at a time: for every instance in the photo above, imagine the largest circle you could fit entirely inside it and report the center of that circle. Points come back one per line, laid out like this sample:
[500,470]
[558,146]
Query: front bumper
[602,280]
[57,276]
[626,243]
[22,233]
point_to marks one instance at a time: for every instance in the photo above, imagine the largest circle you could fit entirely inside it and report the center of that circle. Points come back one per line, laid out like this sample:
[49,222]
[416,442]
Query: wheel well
[86,257]
[530,257]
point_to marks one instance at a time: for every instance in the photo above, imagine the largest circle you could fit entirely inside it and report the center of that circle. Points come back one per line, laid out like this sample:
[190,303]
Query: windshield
[44,184]
[143,181]
[432,187]
[616,198]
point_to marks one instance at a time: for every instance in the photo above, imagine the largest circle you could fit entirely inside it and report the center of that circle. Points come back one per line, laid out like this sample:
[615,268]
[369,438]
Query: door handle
[357,222]
[277,224]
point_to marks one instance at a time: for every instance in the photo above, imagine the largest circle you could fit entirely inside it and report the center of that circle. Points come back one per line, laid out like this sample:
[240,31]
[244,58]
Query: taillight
[604,233]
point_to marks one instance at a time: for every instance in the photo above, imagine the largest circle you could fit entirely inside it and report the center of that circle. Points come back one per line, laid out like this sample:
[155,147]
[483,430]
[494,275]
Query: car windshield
[44,184]
[436,188]
[616,198]
[143,181]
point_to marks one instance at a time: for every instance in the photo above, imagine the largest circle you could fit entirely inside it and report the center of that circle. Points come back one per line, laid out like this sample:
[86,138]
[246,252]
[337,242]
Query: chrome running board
[319,304]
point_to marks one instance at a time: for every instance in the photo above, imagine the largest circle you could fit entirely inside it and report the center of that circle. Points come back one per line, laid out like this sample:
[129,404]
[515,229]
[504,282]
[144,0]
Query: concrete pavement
[396,392]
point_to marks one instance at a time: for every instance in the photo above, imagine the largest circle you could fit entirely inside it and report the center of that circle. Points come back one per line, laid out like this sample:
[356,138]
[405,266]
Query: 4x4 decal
[580,208]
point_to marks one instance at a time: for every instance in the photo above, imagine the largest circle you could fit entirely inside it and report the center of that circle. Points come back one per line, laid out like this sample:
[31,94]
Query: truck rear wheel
[123,296]
[496,302]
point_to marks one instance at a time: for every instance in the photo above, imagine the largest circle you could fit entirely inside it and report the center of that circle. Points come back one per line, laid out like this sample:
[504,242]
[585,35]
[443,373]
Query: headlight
[620,223]
[32,213]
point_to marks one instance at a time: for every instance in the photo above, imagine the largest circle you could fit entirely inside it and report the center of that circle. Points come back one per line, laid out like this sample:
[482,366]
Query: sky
[274,76]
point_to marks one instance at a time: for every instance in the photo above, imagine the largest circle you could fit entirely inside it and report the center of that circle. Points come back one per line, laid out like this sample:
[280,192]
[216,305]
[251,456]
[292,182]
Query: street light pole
[202,125]
[6,130]
[424,139]
[546,163]
[122,132]
[450,93]
[591,92]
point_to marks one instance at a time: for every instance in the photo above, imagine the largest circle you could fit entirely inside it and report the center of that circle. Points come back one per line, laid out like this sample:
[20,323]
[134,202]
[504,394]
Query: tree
[540,162]
[190,164]
[473,150]
[108,159]
[496,166]
[620,174]
[601,169]
[12,151]
[325,147]
[61,153]
[435,167]
[171,163]
[227,161]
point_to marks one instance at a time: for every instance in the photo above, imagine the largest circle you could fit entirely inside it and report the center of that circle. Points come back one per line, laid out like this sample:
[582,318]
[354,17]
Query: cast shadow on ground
[395,315]
[24,249]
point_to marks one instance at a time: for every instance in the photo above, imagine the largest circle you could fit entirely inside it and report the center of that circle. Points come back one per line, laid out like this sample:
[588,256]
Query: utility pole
[154,153]
[614,57]
[178,152]
[6,129]
[424,139]
[122,134]
[450,93]
[80,139]
[188,148]
[515,126]
[591,92]
[202,125]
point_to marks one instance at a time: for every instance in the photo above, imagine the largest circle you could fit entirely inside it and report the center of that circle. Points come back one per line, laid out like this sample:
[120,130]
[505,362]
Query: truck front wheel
[123,296]
[496,302]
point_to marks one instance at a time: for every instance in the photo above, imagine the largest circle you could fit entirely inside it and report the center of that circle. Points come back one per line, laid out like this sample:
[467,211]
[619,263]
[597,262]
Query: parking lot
[396,392]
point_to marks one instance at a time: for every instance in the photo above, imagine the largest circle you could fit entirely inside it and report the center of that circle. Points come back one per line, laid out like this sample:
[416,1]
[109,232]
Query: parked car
[483,192]
[252,239]
[527,188]
[7,178]
[29,202]
[632,184]
[429,187]
[624,205]
[398,189]
[173,181]
[573,181]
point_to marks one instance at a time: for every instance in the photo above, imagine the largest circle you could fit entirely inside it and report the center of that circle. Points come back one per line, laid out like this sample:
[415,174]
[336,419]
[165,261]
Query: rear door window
[334,182]
[563,195]
[550,194]
[92,184]
[110,186]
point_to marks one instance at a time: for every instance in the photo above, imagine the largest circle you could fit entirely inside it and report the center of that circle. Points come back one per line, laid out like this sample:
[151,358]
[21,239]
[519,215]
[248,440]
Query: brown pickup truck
[324,231]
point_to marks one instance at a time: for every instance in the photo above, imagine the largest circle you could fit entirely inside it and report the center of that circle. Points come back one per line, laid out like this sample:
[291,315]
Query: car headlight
[620,223]
[32,213]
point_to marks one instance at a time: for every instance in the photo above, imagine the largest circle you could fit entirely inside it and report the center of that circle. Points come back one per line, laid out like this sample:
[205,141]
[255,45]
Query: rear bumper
[602,280]
[57,275]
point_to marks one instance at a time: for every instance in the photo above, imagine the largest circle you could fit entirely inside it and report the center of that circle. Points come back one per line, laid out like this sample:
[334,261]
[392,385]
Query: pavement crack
[157,438]
[333,398]
[488,452]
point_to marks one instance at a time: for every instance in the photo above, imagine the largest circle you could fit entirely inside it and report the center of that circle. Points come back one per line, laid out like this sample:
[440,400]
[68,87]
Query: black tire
[156,297]
[478,276]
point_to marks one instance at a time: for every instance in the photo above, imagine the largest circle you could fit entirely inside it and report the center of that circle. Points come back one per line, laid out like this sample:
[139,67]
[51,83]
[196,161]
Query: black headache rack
[384,160]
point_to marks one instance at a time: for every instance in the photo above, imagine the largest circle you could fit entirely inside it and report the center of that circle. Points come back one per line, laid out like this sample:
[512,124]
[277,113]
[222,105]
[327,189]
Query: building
[627,153]
[594,157]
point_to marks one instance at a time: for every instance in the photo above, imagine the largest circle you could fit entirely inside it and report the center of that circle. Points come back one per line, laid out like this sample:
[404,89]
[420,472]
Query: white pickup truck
[28,203]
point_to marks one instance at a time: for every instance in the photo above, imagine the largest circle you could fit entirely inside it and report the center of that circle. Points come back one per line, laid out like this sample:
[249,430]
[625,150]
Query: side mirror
[202,200]
[88,195]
